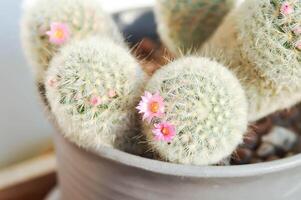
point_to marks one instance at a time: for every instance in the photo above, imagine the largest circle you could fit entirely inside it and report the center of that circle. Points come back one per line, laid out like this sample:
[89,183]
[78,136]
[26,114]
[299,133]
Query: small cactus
[260,40]
[93,86]
[195,112]
[47,25]
[275,23]
[184,25]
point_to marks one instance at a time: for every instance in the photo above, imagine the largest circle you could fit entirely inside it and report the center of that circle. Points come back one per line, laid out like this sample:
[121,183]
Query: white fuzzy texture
[184,25]
[253,49]
[83,17]
[263,43]
[90,67]
[206,104]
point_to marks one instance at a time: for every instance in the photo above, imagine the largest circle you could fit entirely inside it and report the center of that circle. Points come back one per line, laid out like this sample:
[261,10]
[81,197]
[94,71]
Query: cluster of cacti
[261,42]
[184,25]
[47,25]
[195,112]
[93,86]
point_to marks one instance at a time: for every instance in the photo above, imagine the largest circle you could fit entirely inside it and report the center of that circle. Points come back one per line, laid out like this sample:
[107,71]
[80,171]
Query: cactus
[93,86]
[49,25]
[201,112]
[185,25]
[260,40]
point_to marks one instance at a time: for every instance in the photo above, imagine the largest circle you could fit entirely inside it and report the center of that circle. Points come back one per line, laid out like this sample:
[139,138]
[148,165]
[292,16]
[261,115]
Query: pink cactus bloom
[112,93]
[164,132]
[59,33]
[95,100]
[298,45]
[286,8]
[151,106]
[52,82]
[297,30]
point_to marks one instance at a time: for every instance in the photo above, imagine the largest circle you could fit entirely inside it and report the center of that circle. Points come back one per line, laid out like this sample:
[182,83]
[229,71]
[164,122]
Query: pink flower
[298,45]
[164,132]
[52,82]
[59,33]
[297,30]
[286,8]
[112,93]
[95,100]
[151,106]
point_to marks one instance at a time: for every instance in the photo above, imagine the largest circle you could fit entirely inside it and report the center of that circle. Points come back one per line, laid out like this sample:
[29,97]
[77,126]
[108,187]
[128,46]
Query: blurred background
[24,129]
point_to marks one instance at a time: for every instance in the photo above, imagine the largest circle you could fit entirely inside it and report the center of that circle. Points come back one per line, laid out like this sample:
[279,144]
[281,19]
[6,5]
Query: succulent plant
[184,25]
[93,86]
[47,25]
[195,112]
[261,43]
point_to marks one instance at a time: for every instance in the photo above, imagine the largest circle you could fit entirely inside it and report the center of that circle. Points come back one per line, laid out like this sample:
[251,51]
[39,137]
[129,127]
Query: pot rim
[171,169]
[166,168]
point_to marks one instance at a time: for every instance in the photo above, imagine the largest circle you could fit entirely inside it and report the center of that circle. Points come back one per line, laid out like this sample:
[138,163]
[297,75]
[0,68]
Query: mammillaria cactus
[47,25]
[195,112]
[93,86]
[261,41]
[184,25]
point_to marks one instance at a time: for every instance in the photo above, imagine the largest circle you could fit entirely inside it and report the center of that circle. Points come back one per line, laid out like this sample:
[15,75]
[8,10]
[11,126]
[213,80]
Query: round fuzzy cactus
[261,42]
[93,86]
[270,36]
[194,112]
[47,25]
[184,25]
